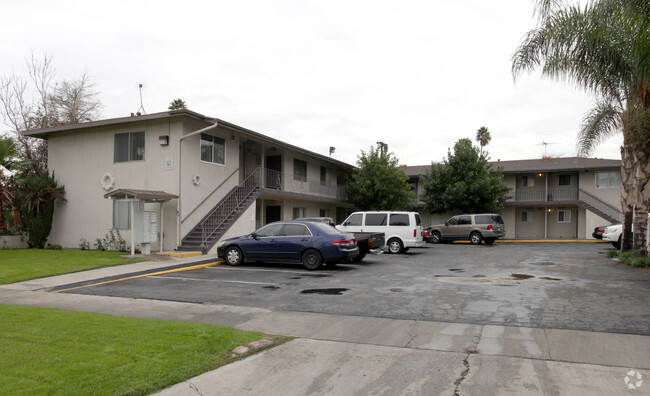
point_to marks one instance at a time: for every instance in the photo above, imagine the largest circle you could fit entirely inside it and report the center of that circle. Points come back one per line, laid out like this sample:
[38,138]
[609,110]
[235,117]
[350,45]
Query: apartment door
[273,213]
[273,172]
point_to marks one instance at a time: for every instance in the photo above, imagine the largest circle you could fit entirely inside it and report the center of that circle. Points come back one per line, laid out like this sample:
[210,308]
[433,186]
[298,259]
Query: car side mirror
[254,236]
[446,223]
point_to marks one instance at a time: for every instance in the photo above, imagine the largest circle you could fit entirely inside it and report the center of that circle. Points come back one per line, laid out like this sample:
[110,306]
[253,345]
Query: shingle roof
[536,165]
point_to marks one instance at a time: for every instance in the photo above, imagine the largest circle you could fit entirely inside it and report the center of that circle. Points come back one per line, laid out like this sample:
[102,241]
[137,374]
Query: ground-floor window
[563,216]
[526,216]
[122,213]
[325,213]
[299,212]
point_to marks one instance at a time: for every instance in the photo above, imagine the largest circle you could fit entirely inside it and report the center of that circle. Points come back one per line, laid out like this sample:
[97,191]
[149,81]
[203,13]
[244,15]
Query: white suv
[402,230]
[613,234]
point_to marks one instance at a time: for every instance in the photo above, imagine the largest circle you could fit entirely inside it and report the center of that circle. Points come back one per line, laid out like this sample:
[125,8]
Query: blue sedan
[311,244]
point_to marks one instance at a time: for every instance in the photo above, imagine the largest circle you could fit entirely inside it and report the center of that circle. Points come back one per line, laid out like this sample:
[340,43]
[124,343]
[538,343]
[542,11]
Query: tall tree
[177,104]
[52,103]
[603,47]
[378,184]
[37,195]
[464,182]
[483,137]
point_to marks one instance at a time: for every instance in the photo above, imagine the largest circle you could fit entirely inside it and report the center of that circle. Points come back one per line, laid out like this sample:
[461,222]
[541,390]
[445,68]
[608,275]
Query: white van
[402,230]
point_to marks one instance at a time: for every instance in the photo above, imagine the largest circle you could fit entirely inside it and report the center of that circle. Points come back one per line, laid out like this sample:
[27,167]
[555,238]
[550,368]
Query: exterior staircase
[597,206]
[212,227]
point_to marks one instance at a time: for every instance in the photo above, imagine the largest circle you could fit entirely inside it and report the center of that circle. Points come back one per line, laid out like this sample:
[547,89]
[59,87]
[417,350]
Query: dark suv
[486,227]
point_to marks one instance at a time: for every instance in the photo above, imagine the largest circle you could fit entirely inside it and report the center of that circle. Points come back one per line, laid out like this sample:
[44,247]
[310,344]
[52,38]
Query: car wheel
[358,258]
[476,238]
[234,256]
[617,244]
[436,237]
[312,259]
[395,246]
[489,241]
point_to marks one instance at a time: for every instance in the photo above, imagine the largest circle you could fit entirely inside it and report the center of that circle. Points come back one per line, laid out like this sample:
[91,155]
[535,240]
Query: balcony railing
[302,185]
[544,195]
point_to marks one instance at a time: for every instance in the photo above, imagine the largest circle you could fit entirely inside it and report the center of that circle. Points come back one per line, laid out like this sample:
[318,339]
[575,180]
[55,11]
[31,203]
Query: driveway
[537,285]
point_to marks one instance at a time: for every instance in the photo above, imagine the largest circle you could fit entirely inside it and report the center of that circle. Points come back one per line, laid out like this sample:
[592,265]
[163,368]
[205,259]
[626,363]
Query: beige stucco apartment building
[551,198]
[183,180]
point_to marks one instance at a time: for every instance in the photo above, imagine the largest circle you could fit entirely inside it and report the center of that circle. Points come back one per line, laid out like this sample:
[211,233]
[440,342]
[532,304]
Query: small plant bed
[52,351]
[17,265]
[629,258]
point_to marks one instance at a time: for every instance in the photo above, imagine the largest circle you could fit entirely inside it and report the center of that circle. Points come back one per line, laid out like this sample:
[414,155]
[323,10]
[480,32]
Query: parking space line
[213,280]
[260,270]
[143,276]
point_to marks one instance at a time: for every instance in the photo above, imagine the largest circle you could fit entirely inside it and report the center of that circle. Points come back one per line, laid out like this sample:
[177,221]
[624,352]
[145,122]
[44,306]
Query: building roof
[536,165]
[45,133]
[144,195]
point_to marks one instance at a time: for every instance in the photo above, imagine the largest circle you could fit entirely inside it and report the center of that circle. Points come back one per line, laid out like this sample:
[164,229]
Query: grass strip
[57,352]
[18,265]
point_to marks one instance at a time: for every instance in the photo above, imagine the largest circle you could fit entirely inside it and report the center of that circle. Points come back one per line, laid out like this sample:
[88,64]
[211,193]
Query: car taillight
[425,233]
[489,227]
[369,242]
[346,243]
[415,233]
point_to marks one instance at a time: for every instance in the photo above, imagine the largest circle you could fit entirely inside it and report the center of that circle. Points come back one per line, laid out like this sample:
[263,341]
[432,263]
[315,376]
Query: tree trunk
[627,195]
[642,198]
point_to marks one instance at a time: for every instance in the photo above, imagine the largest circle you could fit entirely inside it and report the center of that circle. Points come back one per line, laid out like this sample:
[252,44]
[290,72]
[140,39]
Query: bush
[84,244]
[99,245]
[37,195]
[114,240]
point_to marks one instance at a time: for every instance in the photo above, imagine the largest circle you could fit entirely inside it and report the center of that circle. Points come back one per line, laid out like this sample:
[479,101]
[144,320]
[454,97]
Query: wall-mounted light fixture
[164,140]
[540,174]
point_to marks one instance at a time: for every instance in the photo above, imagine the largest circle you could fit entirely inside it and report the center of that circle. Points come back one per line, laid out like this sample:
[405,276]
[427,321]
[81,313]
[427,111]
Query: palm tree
[177,104]
[483,137]
[603,47]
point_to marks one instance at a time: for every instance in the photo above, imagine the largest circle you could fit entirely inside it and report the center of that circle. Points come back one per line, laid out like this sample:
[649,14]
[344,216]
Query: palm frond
[601,122]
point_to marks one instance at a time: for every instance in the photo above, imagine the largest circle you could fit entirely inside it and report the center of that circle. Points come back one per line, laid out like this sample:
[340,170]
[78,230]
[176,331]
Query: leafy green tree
[464,182]
[37,195]
[603,47]
[483,137]
[177,104]
[7,154]
[378,184]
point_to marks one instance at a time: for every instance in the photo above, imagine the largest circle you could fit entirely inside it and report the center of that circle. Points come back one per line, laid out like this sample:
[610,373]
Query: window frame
[608,186]
[214,142]
[131,150]
[529,216]
[564,211]
[560,177]
[296,175]
[530,181]
[302,212]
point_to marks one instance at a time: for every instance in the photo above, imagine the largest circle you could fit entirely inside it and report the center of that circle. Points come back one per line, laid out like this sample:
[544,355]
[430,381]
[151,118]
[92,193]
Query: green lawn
[17,265]
[51,351]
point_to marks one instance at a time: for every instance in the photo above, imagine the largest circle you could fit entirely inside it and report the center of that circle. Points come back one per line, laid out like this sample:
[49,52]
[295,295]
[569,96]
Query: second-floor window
[527,181]
[128,147]
[564,180]
[299,170]
[608,179]
[213,149]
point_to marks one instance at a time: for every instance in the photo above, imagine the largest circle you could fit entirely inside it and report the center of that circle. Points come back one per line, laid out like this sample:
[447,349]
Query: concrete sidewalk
[346,355]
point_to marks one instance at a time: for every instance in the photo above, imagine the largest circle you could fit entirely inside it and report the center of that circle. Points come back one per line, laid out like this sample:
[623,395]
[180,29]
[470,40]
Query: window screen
[128,147]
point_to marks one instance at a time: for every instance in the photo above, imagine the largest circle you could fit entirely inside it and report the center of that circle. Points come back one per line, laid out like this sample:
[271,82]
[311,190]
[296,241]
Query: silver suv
[475,227]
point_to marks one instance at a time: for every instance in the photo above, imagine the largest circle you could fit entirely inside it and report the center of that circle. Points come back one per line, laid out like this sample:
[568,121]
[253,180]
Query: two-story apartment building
[181,180]
[552,198]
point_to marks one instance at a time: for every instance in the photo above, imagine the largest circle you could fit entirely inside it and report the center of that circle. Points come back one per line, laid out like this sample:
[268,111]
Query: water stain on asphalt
[549,278]
[328,292]
[456,270]
[271,287]
[397,290]
[522,276]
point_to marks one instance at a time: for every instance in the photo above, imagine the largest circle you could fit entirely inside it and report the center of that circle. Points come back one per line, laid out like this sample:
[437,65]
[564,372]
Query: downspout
[546,208]
[178,201]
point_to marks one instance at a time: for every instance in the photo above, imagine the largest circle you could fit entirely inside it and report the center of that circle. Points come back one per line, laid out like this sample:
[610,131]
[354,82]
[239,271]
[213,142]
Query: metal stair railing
[230,203]
[600,205]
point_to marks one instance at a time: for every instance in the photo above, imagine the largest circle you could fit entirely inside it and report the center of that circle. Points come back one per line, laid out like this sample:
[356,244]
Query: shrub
[37,195]
[99,245]
[84,244]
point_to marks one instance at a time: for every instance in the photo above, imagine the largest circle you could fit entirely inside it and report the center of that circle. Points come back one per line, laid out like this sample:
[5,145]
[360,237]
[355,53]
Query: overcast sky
[416,75]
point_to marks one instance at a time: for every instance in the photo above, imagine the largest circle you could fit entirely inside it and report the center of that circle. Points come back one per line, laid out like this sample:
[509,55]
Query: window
[323,175]
[563,216]
[399,219]
[452,221]
[526,216]
[527,181]
[354,220]
[122,213]
[564,180]
[376,219]
[128,147]
[608,179]
[299,170]
[299,212]
[464,220]
[213,149]
[270,231]
[324,213]
[295,230]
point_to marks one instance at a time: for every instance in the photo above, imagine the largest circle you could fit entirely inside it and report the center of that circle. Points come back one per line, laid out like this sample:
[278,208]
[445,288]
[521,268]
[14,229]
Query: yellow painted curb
[179,255]
[144,275]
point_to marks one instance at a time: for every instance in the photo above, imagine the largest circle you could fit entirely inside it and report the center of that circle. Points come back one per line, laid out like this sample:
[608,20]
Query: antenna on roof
[140,86]
[543,141]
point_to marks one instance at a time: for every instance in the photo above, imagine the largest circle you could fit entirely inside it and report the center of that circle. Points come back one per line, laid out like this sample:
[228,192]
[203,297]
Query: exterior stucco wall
[610,195]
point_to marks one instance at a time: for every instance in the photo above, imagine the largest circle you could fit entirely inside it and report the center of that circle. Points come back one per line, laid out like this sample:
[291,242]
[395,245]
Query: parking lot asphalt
[447,319]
